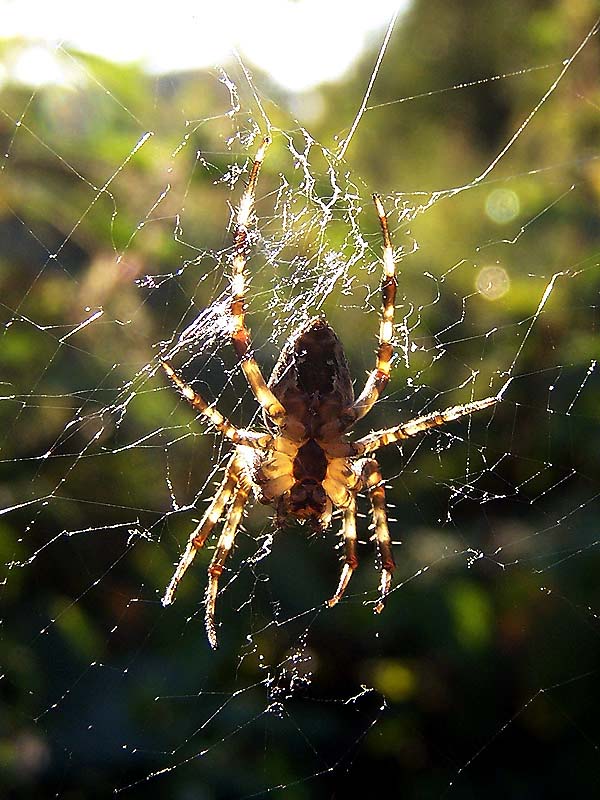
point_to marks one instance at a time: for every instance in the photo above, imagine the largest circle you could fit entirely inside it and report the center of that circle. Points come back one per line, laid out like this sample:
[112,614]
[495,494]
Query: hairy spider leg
[224,545]
[380,375]
[373,441]
[373,480]
[240,335]
[203,530]
[241,436]
[350,556]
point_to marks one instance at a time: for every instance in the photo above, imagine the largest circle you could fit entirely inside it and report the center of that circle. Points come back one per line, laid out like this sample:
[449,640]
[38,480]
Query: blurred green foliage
[480,676]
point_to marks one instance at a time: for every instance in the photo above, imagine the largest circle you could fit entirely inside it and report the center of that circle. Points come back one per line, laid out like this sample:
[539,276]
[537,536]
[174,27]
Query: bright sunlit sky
[299,43]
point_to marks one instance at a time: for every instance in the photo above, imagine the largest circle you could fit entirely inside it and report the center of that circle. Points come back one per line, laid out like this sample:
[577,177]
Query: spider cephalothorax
[305,466]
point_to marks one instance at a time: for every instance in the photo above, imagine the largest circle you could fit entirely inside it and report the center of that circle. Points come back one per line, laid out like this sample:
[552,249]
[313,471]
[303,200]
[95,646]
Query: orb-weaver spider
[304,465]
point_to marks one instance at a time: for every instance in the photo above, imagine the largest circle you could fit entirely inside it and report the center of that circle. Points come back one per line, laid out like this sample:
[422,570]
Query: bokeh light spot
[502,206]
[395,679]
[492,282]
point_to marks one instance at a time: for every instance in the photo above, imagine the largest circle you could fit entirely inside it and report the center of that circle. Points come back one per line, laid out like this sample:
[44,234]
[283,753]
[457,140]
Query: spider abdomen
[312,380]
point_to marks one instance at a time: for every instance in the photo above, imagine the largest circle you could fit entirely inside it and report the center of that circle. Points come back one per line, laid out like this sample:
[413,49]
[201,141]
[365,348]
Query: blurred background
[125,151]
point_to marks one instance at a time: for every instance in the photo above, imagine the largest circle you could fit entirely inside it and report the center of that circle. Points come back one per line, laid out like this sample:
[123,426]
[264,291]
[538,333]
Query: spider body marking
[312,382]
[305,465]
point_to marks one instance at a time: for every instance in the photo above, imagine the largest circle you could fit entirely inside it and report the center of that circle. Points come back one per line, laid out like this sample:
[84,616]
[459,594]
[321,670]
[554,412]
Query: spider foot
[343,582]
[384,588]
[214,571]
[211,631]
[169,595]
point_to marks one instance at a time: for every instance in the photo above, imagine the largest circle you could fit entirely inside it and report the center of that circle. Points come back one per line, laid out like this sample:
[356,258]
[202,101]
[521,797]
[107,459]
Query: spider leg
[372,479]
[373,441]
[224,545]
[380,375]
[203,530]
[238,435]
[240,335]
[351,558]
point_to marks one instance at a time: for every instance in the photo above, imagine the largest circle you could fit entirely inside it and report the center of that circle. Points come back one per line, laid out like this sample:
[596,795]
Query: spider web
[119,192]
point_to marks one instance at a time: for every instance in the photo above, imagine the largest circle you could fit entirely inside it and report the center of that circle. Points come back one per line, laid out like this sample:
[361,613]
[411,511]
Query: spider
[304,464]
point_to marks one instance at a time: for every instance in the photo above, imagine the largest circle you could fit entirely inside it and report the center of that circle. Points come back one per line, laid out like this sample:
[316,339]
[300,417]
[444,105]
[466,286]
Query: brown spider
[306,465]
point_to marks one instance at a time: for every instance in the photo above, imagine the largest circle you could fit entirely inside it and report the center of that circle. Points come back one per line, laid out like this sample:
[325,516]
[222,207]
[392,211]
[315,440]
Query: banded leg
[373,441]
[240,335]
[374,482]
[379,377]
[203,530]
[351,558]
[238,435]
[224,545]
